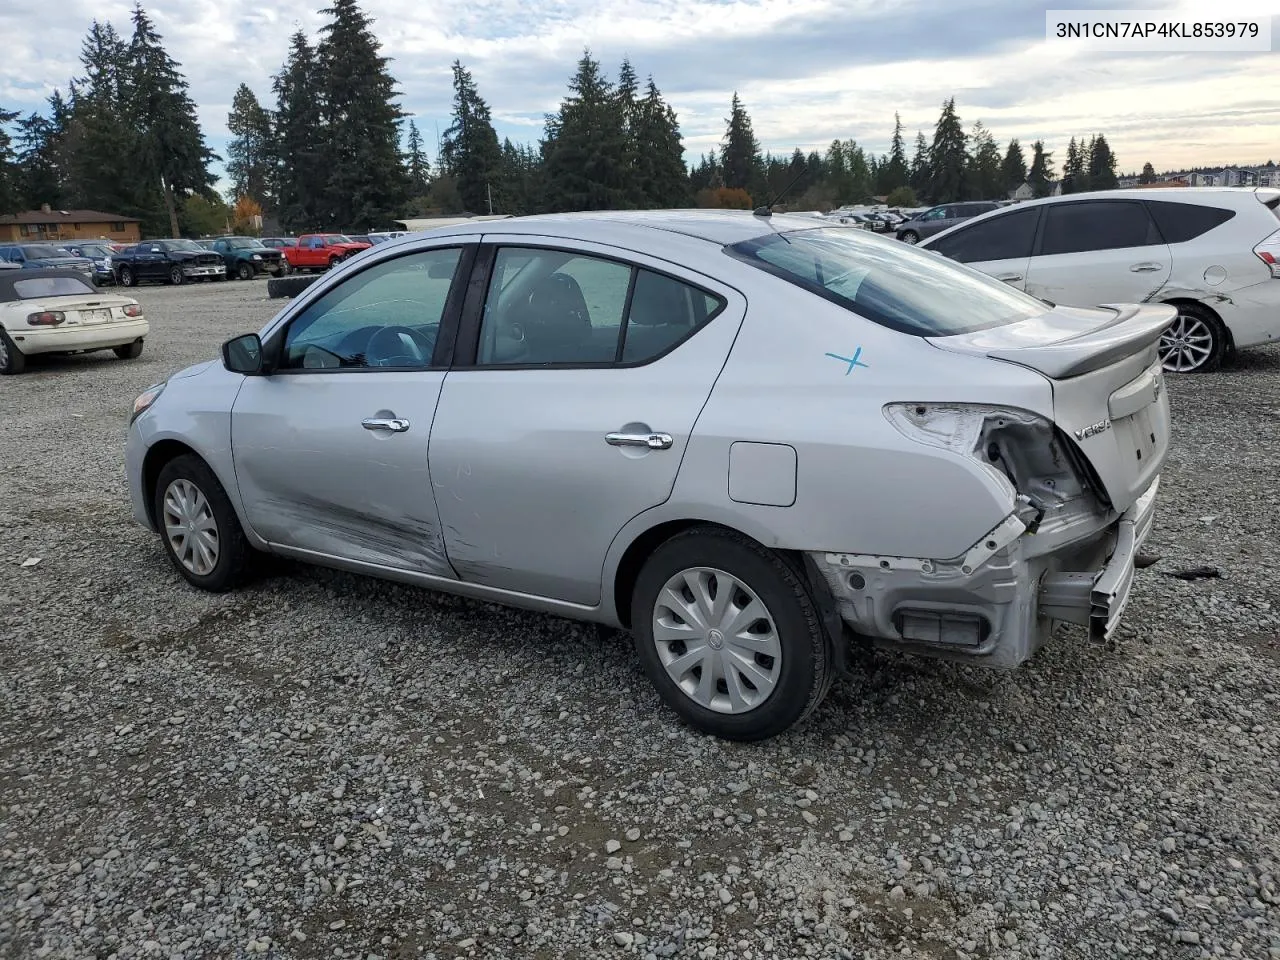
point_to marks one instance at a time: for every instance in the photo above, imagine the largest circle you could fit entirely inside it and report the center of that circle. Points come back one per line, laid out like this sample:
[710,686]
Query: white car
[59,311]
[1213,253]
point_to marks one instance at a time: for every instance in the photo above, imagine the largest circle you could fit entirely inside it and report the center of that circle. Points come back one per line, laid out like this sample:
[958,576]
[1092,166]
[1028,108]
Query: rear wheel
[729,634]
[244,272]
[175,275]
[198,526]
[334,261]
[127,278]
[129,351]
[12,360]
[1195,342]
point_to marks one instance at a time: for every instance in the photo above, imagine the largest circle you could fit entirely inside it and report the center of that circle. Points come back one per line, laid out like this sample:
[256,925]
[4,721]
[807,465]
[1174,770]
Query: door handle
[1146,267]
[1010,277]
[390,424]
[654,441]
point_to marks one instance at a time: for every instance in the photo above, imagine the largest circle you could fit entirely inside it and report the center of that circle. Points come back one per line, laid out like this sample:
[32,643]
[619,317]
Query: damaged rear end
[1082,479]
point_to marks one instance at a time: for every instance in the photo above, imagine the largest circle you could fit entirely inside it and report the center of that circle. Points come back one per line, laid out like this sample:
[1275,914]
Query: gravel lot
[323,765]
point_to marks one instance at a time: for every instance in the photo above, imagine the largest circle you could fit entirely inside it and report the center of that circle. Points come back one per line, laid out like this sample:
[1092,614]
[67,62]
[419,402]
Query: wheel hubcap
[717,640]
[190,527]
[1185,344]
[4,354]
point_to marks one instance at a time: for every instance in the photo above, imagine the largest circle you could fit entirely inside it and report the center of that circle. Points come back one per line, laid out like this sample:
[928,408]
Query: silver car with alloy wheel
[753,442]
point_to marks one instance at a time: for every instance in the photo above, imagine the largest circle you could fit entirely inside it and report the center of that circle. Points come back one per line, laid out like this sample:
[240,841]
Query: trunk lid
[1108,385]
[82,311]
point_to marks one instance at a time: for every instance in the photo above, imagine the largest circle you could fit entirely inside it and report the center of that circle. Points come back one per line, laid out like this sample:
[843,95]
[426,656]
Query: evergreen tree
[707,175]
[1102,165]
[170,151]
[418,169]
[1073,171]
[301,155]
[947,157]
[1148,174]
[663,179]
[798,176]
[894,172]
[921,175]
[585,149]
[250,163]
[367,182]
[1013,170]
[9,189]
[39,173]
[984,179]
[626,95]
[95,140]
[1040,176]
[740,151]
[470,152]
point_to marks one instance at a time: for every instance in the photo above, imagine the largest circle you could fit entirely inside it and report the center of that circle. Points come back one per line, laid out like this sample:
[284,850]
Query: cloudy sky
[808,70]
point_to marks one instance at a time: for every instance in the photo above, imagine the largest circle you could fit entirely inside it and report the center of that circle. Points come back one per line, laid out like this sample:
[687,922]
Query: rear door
[575,389]
[999,246]
[1098,251]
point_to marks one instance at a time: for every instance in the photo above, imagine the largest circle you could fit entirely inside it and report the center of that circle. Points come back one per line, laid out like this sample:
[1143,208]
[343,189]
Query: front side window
[560,307]
[937,213]
[895,285]
[387,316]
[1088,225]
[1006,237]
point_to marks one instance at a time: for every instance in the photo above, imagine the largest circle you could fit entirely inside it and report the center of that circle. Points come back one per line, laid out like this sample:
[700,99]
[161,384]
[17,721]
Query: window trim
[1038,247]
[466,351]
[273,343]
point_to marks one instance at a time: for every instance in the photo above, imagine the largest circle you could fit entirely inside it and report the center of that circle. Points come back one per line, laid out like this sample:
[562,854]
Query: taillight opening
[1268,251]
[47,318]
[133,310]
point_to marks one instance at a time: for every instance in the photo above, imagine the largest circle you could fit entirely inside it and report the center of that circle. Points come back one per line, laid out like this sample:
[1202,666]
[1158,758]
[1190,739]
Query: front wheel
[12,360]
[127,278]
[244,272]
[729,634]
[176,276]
[1195,342]
[909,236]
[334,261]
[198,526]
[129,351]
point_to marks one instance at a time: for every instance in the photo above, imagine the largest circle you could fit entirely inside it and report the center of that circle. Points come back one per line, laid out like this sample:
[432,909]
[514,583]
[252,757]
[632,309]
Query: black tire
[127,277]
[234,552]
[281,287]
[1183,341]
[334,261]
[909,236]
[129,351]
[244,271]
[176,276]
[12,360]
[804,676]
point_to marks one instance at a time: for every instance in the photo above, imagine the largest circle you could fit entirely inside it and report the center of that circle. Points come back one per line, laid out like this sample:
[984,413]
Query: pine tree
[416,165]
[1148,174]
[585,148]
[921,175]
[171,151]
[894,172]
[39,175]
[97,142]
[707,175]
[250,164]
[798,178]
[947,156]
[1073,169]
[367,182]
[1013,169]
[740,151]
[1102,165]
[469,151]
[9,190]
[660,165]
[1040,176]
[984,179]
[301,156]
[626,96]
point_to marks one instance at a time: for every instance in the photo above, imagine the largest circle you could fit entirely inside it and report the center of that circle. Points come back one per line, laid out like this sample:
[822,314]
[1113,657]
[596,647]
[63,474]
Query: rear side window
[1001,238]
[1180,222]
[1084,226]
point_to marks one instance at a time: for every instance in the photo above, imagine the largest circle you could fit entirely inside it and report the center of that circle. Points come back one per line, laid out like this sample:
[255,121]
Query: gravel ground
[324,765]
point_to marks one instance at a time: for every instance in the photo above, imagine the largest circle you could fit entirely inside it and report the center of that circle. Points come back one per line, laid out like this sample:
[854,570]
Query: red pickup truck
[322,251]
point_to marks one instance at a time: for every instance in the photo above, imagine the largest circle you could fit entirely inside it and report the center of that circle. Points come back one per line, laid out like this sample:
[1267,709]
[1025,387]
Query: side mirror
[243,355]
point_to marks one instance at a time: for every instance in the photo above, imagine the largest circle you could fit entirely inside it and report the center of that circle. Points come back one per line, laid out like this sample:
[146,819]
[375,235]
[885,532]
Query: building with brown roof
[33,226]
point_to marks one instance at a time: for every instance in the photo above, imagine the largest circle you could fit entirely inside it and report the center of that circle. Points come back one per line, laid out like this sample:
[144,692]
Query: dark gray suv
[941,217]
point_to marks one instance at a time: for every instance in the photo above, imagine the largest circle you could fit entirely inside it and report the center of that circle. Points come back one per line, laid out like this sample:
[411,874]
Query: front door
[1098,251]
[999,246]
[330,449]
[569,409]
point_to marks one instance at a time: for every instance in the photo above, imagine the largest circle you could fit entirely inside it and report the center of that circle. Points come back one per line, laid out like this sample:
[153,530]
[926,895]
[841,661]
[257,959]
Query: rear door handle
[1146,267]
[1010,277]
[390,424]
[654,441]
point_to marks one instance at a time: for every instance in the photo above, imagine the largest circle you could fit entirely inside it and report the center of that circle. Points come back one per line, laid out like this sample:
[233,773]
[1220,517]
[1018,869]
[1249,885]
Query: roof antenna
[767,209]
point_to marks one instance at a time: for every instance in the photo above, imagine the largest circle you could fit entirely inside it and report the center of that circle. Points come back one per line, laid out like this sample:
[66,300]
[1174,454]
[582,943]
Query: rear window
[38,287]
[1180,222]
[892,284]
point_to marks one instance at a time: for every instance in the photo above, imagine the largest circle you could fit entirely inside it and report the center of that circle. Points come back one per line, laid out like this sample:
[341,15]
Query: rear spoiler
[1135,327]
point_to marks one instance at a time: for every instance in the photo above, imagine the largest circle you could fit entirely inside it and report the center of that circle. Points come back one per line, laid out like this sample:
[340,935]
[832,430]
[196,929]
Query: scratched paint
[854,361]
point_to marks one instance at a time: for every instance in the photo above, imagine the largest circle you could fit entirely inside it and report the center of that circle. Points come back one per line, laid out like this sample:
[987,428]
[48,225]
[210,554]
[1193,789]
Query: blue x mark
[851,361]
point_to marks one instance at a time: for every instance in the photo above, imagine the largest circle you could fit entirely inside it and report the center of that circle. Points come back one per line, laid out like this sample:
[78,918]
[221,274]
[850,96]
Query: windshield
[889,283]
[93,250]
[244,243]
[42,251]
[189,245]
[38,287]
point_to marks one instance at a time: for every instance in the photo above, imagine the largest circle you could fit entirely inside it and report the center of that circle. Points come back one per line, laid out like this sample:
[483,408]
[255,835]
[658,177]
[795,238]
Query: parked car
[46,256]
[100,254]
[359,238]
[939,218]
[382,236]
[619,417]
[322,251]
[279,243]
[60,311]
[1211,252]
[247,257]
[168,261]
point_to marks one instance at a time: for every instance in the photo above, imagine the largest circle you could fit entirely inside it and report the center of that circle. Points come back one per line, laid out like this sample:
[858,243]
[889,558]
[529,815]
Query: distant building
[1026,192]
[33,226]
[1158,184]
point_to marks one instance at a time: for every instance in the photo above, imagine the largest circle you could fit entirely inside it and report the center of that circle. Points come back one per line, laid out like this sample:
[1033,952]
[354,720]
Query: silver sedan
[751,441]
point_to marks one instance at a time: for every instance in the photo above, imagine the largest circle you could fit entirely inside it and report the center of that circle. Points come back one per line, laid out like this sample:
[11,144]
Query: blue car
[100,254]
[41,256]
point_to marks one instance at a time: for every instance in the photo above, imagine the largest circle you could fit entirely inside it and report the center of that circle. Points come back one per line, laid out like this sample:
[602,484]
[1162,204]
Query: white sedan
[58,311]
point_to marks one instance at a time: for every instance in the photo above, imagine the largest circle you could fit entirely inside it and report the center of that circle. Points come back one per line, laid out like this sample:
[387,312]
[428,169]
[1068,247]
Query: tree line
[331,149]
